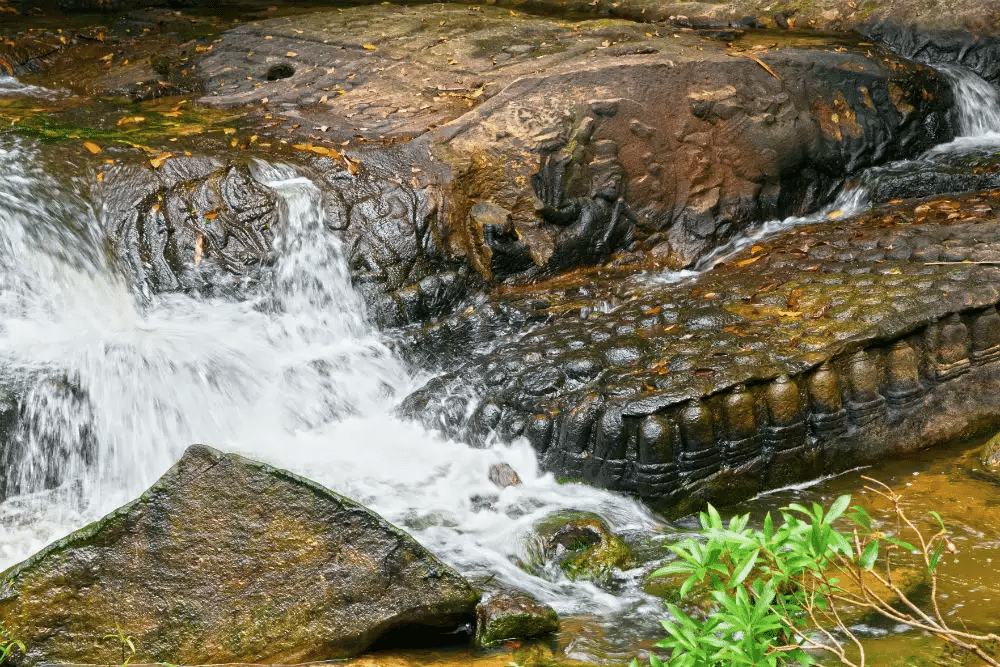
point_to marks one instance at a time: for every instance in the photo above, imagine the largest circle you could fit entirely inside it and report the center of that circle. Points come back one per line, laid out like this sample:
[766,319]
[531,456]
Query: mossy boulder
[581,546]
[989,455]
[226,560]
[512,615]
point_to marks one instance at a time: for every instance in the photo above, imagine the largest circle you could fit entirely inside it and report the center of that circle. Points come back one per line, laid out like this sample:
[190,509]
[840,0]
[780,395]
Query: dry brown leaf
[93,148]
[212,215]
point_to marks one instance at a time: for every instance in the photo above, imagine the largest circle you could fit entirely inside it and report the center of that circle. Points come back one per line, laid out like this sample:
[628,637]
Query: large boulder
[228,560]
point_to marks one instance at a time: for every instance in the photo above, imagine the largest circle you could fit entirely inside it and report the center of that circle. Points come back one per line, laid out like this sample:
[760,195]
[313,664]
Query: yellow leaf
[790,313]
[747,262]
[318,150]
[756,249]
[130,120]
[369,47]
[100,177]
[158,159]
[833,215]
[212,215]
[92,147]
[171,114]
[290,54]
[229,130]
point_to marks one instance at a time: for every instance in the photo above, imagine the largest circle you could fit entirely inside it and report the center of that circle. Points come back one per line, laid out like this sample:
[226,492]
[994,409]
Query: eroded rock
[229,560]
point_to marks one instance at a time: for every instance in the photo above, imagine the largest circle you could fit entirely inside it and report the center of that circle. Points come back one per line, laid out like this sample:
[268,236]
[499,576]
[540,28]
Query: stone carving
[951,347]
[788,429]
[827,415]
[903,389]
[700,456]
[742,441]
[590,226]
[986,336]
[865,404]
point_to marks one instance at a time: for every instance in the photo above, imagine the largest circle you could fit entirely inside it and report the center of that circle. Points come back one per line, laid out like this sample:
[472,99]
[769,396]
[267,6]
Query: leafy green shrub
[779,592]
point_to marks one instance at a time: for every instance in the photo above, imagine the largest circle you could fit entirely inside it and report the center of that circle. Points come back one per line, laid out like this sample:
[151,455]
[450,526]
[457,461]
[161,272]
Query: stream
[119,384]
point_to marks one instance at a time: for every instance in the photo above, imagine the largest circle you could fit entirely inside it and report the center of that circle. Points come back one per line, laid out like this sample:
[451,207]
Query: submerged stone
[223,560]
[513,615]
[581,545]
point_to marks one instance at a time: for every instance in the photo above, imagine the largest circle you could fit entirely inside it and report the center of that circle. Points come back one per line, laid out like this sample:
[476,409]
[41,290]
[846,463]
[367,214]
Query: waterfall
[113,389]
[977,102]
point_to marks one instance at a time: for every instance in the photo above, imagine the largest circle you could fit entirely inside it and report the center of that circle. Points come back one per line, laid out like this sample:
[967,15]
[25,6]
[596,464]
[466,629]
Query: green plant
[781,592]
[8,644]
[127,643]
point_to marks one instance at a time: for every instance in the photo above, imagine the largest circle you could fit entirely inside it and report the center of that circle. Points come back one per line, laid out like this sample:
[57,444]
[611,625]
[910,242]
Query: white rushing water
[297,379]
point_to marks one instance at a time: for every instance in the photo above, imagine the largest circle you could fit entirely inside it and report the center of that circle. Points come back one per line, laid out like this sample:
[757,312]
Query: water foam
[297,378]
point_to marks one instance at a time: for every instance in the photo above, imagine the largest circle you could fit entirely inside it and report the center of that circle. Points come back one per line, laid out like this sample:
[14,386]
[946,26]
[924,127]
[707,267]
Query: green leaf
[860,517]
[869,555]
[900,543]
[935,558]
[743,570]
[768,528]
[838,508]
[939,519]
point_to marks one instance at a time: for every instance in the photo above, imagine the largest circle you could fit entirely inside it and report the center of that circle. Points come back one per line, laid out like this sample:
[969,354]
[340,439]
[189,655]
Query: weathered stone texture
[228,560]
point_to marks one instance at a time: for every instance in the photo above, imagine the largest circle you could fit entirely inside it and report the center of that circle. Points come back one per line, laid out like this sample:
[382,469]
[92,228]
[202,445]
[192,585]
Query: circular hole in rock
[280,71]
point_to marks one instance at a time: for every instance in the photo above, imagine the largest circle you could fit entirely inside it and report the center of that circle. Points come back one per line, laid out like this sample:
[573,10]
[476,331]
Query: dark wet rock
[503,475]
[976,49]
[193,224]
[824,347]
[581,546]
[512,615]
[228,560]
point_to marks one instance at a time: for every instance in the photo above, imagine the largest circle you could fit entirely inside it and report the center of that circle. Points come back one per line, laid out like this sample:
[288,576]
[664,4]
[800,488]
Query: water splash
[116,389]
[977,102]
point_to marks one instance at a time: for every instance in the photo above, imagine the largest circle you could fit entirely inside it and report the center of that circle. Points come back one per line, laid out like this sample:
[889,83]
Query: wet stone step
[822,348]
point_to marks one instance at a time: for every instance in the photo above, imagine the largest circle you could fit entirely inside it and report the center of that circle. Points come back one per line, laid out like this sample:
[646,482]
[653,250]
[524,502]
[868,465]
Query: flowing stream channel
[117,386]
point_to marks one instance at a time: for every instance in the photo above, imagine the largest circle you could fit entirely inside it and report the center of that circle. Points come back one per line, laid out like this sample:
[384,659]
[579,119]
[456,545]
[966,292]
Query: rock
[989,455]
[503,475]
[821,348]
[228,560]
[512,615]
[582,546]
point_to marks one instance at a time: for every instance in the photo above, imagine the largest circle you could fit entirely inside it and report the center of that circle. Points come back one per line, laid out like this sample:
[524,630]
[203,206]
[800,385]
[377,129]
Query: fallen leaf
[92,147]
[229,130]
[290,54]
[369,47]
[130,120]
[100,177]
[790,313]
[318,150]
[749,261]
[199,244]
[833,215]
[158,159]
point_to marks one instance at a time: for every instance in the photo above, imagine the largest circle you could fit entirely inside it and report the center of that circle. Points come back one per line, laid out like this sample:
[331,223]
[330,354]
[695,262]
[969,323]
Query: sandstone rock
[512,615]
[503,475]
[229,560]
[821,348]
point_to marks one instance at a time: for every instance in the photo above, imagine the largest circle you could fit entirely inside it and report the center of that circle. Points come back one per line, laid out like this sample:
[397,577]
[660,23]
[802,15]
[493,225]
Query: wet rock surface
[229,560]
[829,345]
[512,615]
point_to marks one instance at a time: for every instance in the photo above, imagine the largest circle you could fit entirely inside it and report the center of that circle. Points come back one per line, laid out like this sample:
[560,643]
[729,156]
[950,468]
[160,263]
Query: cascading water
[114,391]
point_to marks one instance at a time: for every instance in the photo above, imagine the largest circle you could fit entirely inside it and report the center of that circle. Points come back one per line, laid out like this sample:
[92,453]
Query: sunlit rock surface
[229,560]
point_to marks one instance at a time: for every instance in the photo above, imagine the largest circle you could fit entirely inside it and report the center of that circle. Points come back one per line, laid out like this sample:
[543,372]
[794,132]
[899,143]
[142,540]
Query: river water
[118,386]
